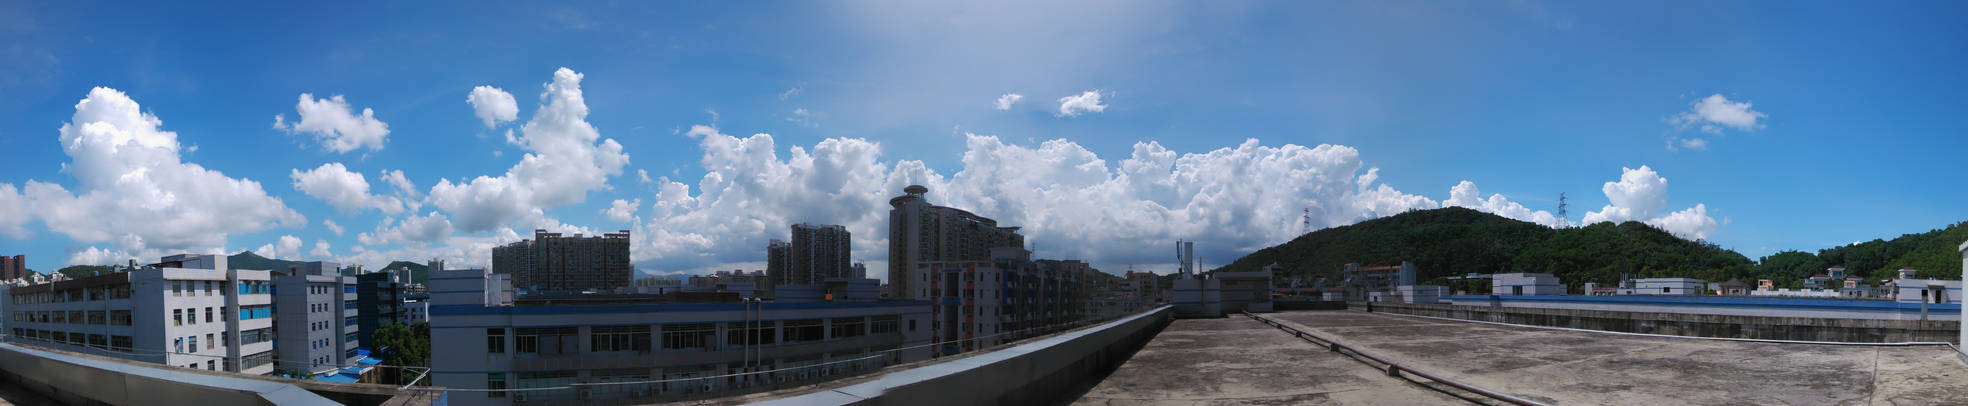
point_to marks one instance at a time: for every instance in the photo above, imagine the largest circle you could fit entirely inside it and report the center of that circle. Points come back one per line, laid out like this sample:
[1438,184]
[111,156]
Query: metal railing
[1395,369]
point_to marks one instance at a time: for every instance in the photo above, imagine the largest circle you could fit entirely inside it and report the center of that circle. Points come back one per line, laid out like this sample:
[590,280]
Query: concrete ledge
[1032,373]
[83,379]
[1699,325]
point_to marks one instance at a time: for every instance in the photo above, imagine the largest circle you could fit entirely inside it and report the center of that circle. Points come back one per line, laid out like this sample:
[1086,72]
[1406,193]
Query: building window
[495,341]
[688,336]
[883,324]
[619,338]
[120,292]
[496,382]
[98,317]
[59,316]
[177,345]
[121,343]
[208,315]
[119,317]
[764,333]
[912,325]
[1665,289]
[805,330]
[211,365]
[209,342]
[848,327]
[177,288]
[549,341]
[77,317]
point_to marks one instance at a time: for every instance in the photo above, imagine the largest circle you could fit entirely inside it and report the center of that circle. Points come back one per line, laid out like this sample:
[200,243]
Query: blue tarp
[337,378]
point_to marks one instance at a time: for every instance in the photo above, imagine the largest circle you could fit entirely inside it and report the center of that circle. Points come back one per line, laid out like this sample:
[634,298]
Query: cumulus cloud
[1641,195]
[493,105]
[623,211]
[644,176]
[332,227]
[1072,106]
[335,125]
[1071,202]
[1008,99]
[1465,194]
[412,230]
[14,212]
[348,191]
[99,256]
[320,250]
[563,162]
[402,184]
[1715,112]
[135,192]
[290,246]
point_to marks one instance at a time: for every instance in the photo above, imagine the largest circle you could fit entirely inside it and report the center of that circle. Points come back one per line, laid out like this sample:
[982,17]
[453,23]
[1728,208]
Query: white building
[985,303]
[1523,284]
[1668,286]
[580,340]
[1423,294]
[187,310]
[1927,291]
[419,311]
[317,311]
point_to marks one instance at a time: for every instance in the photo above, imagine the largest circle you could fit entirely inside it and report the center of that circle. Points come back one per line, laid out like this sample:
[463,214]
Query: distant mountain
[250,260]
[1455,241]
[417,271]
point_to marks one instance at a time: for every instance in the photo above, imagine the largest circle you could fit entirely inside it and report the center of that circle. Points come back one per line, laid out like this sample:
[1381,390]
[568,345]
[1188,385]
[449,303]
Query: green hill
[417,271]
[250,260]
[1456,241]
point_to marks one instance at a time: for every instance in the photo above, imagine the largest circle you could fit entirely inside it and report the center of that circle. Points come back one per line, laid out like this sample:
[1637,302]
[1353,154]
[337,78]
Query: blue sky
[1792,125]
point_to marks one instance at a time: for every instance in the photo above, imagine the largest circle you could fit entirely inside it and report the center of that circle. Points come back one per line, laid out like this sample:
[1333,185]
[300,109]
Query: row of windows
[98,317]
[99,341]
[181,317]
[255,312]
[700,336]
[75,295]
[255,288]
[192,288]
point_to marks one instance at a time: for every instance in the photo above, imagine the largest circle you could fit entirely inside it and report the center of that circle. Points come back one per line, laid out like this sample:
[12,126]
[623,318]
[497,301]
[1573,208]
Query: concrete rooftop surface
[1236,360]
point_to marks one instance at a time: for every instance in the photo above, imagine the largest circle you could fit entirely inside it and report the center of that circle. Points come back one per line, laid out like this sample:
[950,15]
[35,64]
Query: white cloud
[330,224]
[348,191]
[335,125]
[1008,99]
[1072,106]
[1641,195]
[416,230]
[1678,143]
[1465,194]
[789,93]
[14,212]
[289,247]
[1715,112]
[623,211]
[1072,203]
[644,176]
[99,256]
[402,183]
[493,105]
[563,163]
[320,250]
[134,190]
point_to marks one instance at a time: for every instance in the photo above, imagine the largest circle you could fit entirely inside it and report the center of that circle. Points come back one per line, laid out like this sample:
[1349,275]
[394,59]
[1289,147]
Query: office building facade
[379,302]
[1008,297]
[920,232]
[582,343]
[317,312]
[186,311]
[551,262]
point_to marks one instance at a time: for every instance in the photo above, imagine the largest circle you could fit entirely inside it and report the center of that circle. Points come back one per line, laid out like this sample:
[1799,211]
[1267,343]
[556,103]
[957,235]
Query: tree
[403,346]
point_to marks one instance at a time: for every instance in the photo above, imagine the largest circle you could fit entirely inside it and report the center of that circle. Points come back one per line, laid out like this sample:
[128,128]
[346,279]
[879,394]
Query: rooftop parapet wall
[1698,325]
[1033,373]
[86,379]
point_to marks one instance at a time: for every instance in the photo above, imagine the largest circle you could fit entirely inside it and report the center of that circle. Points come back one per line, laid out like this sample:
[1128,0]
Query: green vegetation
[250,260]
[84,271]
[1457,241]
[403,346]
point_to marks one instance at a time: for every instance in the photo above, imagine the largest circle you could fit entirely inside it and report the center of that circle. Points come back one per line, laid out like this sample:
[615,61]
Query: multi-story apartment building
[920,232]
[379,302]
[580,342]
[777,258]
[1008,297]
[317,323]
[187,310]
[551,262]
[14,267]
[818,252]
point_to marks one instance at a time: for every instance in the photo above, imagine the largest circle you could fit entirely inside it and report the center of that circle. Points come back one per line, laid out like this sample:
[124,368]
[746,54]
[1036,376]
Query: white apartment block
[317,318]
[187,311]
[582,343]
[1523,284]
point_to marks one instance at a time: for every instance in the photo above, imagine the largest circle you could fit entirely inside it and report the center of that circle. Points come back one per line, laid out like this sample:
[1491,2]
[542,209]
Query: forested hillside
[1456,241]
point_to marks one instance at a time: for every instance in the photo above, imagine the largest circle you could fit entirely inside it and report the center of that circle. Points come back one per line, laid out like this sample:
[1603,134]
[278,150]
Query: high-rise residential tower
[921,232]
[551,262]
